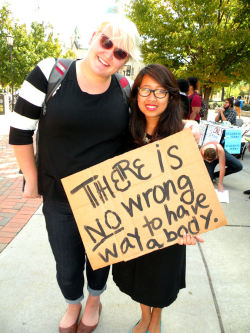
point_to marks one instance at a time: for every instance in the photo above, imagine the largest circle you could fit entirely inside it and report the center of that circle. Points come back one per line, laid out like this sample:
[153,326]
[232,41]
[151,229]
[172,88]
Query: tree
[28,49]
[5,30]
[207,39]
[70,54]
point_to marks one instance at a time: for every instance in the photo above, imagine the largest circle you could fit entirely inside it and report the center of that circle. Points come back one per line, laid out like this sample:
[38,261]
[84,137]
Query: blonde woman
[84,125]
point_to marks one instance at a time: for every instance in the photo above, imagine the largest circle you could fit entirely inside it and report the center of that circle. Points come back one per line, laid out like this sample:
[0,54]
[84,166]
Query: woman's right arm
[26,161]
[24,120]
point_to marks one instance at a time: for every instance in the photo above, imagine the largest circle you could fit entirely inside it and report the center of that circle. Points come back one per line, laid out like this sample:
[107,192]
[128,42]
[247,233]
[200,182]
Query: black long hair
[170,120]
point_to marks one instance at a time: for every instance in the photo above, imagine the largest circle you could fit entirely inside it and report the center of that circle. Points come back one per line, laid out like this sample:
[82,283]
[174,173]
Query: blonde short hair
[125,30]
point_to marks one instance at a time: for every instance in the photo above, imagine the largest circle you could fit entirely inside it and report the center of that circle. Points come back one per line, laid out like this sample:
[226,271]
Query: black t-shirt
[185,106]
[78,131]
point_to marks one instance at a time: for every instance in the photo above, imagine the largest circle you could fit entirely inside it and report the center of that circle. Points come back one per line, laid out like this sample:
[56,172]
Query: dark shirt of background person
[184,87]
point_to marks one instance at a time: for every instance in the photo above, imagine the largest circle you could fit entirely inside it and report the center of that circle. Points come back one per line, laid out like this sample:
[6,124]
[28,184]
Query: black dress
[155,278]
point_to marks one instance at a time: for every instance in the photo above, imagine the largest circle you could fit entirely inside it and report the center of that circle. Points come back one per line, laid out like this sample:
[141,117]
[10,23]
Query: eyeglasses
[107,44]
[158,93]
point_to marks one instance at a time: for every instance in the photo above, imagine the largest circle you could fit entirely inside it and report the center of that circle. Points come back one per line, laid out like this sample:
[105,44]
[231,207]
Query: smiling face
[151,106]
[102,60]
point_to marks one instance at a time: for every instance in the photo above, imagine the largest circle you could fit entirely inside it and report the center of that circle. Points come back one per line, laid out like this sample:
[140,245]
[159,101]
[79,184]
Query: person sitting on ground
[184,87]
[213,153]
[227,113]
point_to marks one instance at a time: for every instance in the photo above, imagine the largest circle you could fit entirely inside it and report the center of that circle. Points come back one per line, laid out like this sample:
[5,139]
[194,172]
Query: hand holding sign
[189,239]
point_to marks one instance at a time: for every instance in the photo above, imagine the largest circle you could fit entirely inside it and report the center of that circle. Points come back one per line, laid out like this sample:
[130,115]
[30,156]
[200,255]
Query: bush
[214,105]
[246,107]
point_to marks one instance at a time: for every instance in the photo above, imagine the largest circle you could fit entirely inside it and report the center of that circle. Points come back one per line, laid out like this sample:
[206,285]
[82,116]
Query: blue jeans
[232,165]
[69,253]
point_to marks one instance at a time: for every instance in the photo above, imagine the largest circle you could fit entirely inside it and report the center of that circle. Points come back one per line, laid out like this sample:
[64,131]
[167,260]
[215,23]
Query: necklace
[147,138]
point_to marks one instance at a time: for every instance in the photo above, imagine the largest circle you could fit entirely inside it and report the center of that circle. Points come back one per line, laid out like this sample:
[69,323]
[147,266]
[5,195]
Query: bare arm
[221,116]
[222,165]
[217,118]
[26,160]
[195,112]
[195,128]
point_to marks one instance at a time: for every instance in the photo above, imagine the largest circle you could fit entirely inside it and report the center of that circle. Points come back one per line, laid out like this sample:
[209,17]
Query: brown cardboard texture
[143,200]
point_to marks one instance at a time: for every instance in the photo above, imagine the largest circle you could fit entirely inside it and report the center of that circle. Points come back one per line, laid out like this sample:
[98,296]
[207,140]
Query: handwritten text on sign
[143,200]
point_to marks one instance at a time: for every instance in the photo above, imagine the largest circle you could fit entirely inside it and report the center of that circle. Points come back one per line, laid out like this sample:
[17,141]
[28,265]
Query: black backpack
[58,73]
[237,102]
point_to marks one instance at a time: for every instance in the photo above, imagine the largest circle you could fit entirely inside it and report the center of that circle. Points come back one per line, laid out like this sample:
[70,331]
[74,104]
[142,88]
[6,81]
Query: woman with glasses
[154,280]
[84,125]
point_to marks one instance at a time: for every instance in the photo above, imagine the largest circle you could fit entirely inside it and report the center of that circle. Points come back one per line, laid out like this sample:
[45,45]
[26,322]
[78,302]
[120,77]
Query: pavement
[216,299]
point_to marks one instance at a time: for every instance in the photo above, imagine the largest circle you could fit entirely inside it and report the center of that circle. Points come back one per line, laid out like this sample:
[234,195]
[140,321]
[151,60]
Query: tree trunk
[222,93]
[207,91]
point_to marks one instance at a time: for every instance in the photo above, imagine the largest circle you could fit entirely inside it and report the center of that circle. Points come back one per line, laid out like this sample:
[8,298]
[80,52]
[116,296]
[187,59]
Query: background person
[213,153]
[227,112]
[238,104]
[154,279]
[194,98]
[184,87]
[84,125]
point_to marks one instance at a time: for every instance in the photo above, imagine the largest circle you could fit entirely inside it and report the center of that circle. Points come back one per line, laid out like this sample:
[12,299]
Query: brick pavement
[15,211]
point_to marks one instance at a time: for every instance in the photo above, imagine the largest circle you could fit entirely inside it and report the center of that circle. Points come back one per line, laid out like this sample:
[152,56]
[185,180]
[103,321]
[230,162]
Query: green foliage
[242,88]
[5,30]
[28,49]
[208,39]
[214,105]
[70,54]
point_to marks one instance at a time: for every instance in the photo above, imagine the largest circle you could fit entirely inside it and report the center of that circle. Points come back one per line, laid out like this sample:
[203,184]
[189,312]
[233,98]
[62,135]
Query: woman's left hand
[195,128]
[188,239]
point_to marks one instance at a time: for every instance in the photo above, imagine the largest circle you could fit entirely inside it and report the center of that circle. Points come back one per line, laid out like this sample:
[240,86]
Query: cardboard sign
[143,200]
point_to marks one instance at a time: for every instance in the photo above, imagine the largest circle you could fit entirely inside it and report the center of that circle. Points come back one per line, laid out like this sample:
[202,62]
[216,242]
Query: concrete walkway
[217,297]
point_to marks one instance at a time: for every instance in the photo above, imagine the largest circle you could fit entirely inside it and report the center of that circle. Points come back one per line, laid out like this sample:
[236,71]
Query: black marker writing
[169,152]
[160,158]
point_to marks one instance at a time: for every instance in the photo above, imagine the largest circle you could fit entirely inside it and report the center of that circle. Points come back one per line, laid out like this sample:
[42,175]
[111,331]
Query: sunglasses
[107,44]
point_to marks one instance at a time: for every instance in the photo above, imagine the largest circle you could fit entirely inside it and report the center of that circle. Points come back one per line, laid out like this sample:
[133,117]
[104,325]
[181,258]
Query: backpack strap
[57,74]
[195,93]
[125,87]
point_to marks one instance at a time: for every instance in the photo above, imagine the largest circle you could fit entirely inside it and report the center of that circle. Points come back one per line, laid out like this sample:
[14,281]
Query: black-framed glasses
[158,93]
[107,44]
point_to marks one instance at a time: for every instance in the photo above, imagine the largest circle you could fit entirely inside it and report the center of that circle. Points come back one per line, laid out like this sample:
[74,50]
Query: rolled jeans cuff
[96,292]
[76,301]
